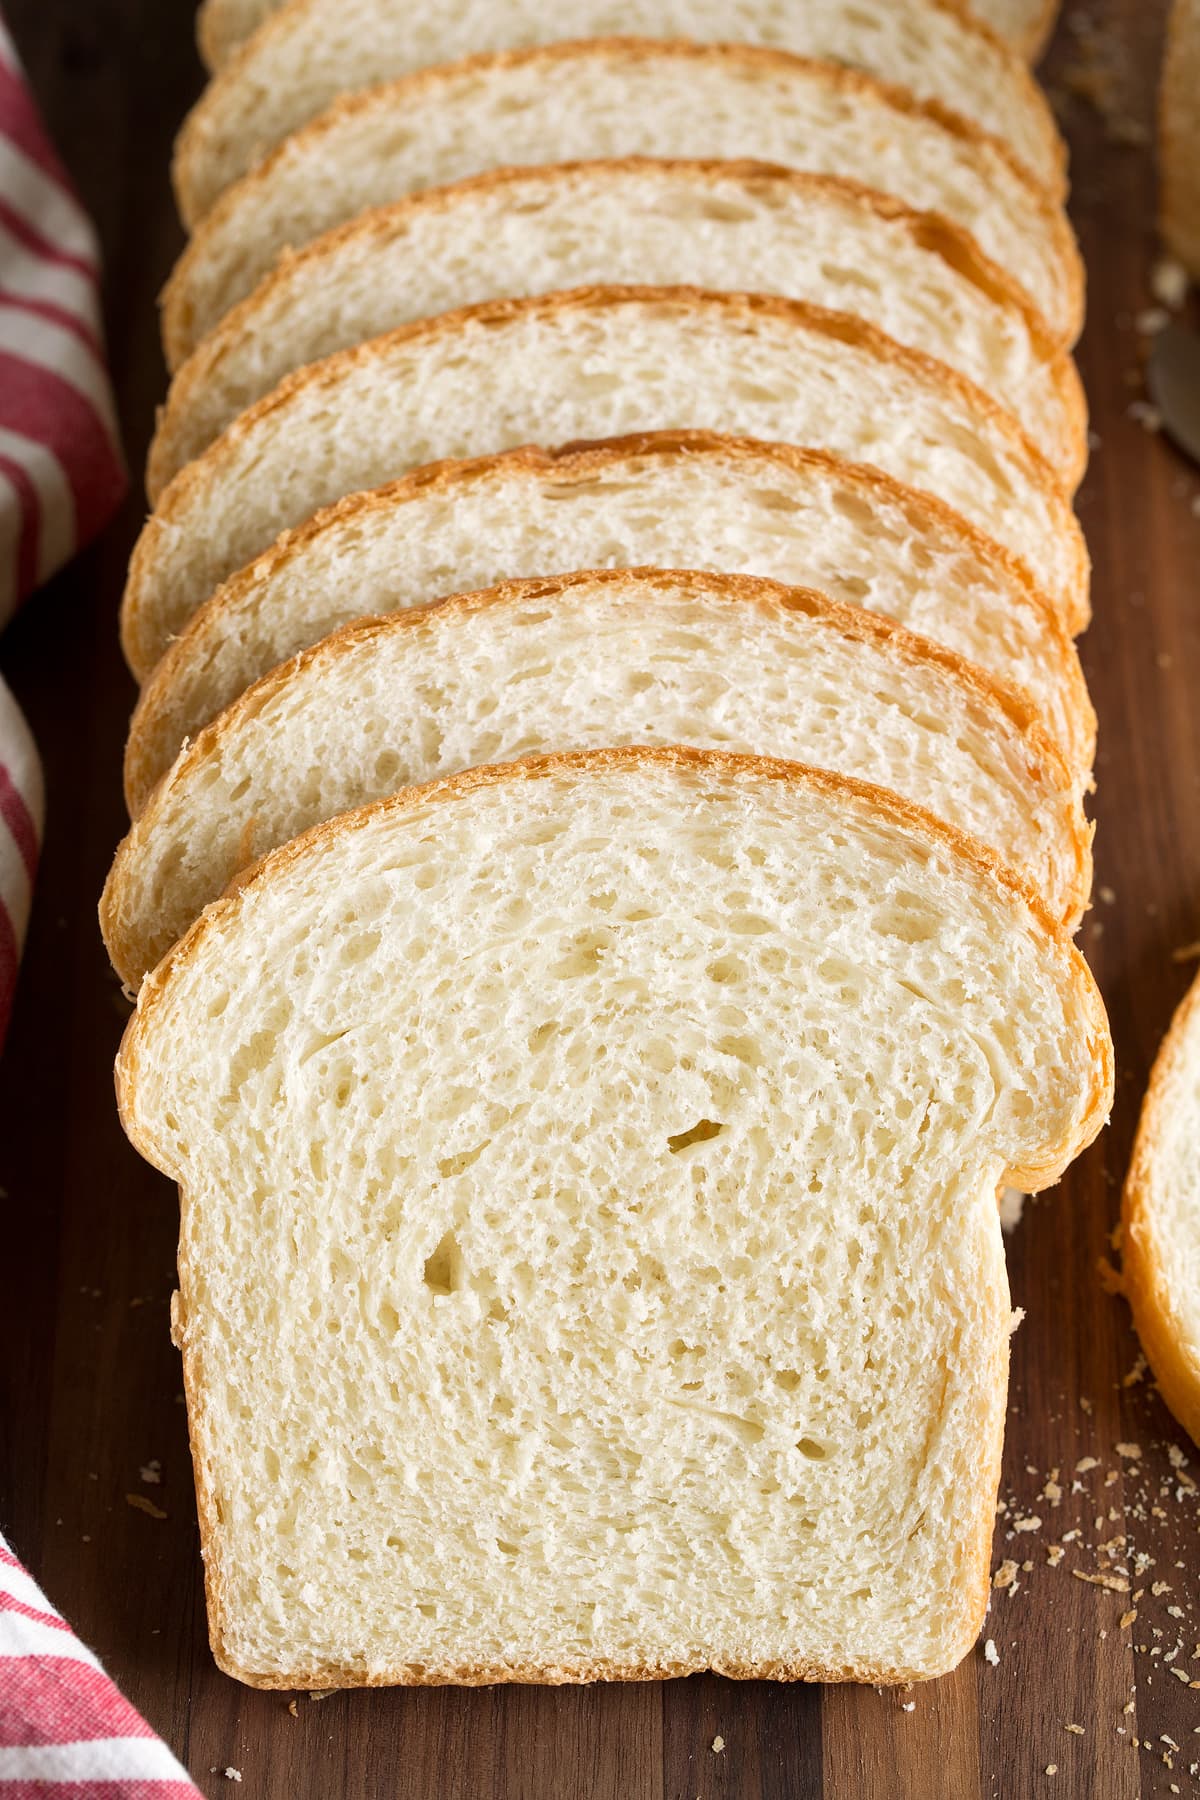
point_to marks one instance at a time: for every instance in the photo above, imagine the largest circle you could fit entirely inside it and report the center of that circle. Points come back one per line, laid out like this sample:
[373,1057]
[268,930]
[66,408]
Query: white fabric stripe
[19,1582]
[24,272]
[27,1637]
[59,350]
[44,204]
[97,1759]
[10,540]
[25,767]
[56,502]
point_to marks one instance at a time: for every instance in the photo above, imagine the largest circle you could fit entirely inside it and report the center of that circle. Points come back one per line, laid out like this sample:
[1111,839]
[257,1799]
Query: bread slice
[1179,136]
[595,363]
[313,51]
[670,499]
[615,99]
[222,25]
[589,1257]
[1160,1238]
[714,225]
[583,661]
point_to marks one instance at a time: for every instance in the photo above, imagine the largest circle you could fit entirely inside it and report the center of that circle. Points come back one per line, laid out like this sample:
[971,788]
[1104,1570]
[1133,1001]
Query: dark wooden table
[89,1383]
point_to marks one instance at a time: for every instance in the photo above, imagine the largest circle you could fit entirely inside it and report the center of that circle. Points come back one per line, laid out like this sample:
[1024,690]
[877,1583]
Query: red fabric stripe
[19,819]
[99,1790]
[44,247]
[57,315]
[8,969]
[31,512]
[40,405]
[10,1603]
[6,1556]
[19,121]
[55,1700]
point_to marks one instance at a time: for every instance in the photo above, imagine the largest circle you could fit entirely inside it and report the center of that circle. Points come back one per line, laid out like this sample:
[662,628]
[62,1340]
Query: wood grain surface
[89,1383]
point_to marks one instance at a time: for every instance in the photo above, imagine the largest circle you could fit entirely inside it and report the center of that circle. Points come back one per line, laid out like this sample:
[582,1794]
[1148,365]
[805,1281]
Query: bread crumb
[909,1706]
[1006,1574]
[1052,1768]
[1127,1618]
[1030,1522]
[718,1745]
[1054,1554]
[1131,1452]
[1118,1584]
[1169,282]
[991,1654]
[151,1473]
[1085,1463]
[322,1693]
[140,1503]
[293,1709]
[1145,415]
[232,1774]
[1151,320]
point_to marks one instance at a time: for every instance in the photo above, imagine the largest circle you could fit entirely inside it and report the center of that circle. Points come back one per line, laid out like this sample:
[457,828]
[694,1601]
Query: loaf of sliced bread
[222,25]
[1160,1239]
[618,99]
[714,225]
[589,1258]
[1179,136]
[595,363]
[580,662]
[670,499]
[313,51]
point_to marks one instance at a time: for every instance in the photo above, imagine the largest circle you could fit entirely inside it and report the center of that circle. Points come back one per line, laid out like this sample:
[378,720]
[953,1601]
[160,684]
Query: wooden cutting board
[90,1409]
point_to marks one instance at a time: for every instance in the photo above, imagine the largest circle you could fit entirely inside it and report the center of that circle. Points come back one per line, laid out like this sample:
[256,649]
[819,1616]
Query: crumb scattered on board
[141,1504]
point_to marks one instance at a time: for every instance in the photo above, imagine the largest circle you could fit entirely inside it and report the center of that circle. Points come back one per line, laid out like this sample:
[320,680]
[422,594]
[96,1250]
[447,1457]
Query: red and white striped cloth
[65,1730]
[61,471]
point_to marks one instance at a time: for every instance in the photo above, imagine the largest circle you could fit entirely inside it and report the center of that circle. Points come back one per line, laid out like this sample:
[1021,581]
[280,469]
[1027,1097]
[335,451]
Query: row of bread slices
[794,343]
[896,293]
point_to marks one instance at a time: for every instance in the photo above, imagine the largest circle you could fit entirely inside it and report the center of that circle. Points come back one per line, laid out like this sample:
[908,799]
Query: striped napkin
[61,473]
[65,1730]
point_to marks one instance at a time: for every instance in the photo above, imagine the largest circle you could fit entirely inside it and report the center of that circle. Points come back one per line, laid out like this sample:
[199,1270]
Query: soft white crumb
[718,1745]
[991,1654]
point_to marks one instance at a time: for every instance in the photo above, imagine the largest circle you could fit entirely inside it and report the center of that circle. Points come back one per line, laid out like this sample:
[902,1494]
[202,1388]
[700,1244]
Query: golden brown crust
[929,232]
[148,753]
[1147,1269]
[170,515]
[204,119]
[400,95]
[1046,765]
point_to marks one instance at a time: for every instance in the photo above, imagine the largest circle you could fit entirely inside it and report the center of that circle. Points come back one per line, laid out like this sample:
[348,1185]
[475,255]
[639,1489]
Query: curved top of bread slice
[582,102]
[597,363]
[1160,1242]
[675,500]
[713,225]
[222,25]
[313,51]
[583,661]
[588,1183]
